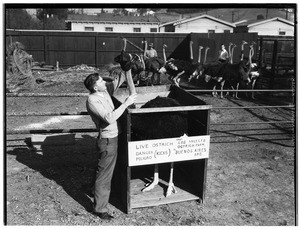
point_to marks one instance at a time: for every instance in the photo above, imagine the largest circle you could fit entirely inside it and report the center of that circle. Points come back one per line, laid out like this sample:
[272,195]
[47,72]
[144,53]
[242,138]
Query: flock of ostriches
[228,75]
[157,126]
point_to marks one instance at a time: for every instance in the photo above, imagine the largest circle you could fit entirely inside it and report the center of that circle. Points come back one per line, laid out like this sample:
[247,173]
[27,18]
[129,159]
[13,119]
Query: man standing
[151,52]
[223,54]
[105,116]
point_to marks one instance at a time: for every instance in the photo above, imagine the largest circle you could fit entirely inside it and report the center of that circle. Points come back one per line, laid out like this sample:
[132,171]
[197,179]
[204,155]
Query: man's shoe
[103,215]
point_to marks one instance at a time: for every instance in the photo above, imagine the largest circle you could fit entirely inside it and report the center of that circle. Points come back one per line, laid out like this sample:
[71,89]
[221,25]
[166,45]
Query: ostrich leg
[171,187]
[252,86]
[214,93]
[222,86]
[151,185]
[237,88]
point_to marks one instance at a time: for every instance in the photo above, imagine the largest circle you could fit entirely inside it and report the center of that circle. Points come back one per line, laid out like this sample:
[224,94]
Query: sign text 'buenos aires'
[168,150]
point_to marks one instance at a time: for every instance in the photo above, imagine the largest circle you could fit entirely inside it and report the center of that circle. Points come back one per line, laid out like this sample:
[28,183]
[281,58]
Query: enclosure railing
[36,131]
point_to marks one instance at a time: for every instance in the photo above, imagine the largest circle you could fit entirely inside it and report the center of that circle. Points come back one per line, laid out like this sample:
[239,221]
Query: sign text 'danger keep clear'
[168,150]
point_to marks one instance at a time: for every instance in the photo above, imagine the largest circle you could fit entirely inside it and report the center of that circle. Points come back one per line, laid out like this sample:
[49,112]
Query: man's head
[151,46]
[94,83]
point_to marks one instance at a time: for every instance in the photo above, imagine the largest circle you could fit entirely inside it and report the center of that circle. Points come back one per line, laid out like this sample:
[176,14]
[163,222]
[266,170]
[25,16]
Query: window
[109,29]
[88,28]
[137,30]
[226,31]
[281,33]
[211,31]
[153,30]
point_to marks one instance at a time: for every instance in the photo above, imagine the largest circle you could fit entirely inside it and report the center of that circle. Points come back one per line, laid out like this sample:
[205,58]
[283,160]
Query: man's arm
[97,108]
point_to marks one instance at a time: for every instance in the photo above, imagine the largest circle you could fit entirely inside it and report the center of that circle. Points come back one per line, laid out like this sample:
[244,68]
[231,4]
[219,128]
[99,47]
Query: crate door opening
[188,154]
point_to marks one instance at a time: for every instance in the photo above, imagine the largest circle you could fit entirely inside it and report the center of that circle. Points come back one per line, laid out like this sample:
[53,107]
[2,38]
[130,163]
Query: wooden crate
[189,175]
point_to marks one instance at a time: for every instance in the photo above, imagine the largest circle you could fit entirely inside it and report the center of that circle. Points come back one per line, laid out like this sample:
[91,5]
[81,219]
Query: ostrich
[157,126]
[153,65]
[199,66]
[176,68]
[255,71]
[129,61]
[154,126]
[234,74]
[137,68]
[126,61]
[212,76]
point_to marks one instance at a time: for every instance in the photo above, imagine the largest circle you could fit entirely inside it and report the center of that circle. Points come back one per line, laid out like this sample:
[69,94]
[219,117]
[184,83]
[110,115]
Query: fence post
[96,49]
[274,60]
[260,48]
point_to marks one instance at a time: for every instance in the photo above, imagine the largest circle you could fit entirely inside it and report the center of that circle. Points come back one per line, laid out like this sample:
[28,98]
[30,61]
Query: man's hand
[130,100]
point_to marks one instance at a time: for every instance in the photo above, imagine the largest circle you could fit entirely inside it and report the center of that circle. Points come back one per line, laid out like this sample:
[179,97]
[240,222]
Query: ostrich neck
[229,50]
[130,83]
[231,57]
[145,49]
[250,60]
[164,55]
[191,50]
[124,44]
[206,50]
[199,57]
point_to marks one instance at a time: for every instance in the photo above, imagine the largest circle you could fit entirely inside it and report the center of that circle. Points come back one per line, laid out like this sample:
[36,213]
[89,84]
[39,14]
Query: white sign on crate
[168,150]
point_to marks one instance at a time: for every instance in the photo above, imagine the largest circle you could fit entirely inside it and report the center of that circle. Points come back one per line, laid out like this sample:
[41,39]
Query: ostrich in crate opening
[160,125]
[156,125]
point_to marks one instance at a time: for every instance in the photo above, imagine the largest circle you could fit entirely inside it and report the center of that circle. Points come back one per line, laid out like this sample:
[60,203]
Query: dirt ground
[250,176]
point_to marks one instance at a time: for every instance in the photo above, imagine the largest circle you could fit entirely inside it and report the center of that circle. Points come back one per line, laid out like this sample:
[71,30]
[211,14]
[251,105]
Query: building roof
[269,20]
[167,17]
[171,22]
[234,15]
[204,16]
[107,17]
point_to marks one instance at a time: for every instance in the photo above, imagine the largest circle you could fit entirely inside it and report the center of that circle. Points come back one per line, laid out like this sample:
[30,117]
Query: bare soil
[250,176]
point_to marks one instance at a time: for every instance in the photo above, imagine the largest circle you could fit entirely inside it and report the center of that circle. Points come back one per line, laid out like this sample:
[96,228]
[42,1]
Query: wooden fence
[98,49]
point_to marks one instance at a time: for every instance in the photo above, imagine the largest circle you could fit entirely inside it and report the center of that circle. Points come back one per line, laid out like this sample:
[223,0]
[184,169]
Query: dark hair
[90,81]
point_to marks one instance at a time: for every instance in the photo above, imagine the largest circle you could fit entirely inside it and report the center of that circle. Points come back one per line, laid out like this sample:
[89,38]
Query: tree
[61,13]
[53,18]
[187,10]
[54,23]
[20,19]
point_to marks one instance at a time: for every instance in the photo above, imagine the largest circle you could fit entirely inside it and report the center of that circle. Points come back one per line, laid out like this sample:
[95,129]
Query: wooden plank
[52,139]
[170,109]
[41,141]
[156,196]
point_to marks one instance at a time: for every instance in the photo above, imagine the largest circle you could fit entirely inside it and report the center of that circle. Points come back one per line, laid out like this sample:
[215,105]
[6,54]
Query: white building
[113,23]
[273,27]
[200,24]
